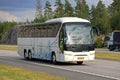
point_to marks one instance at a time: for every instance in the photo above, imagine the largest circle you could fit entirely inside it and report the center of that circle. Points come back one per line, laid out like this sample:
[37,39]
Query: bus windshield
[78,33]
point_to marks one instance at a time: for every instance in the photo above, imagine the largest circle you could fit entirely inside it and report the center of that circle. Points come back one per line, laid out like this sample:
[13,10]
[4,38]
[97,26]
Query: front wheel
[54,59]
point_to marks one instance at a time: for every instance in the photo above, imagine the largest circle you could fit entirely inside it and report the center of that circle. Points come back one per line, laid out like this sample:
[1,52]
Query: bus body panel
[40,48]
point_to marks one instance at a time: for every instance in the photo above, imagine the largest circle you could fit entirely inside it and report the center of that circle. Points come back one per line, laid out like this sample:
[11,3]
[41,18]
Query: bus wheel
[54,59]
[25,55]
[80,62]
[30,56]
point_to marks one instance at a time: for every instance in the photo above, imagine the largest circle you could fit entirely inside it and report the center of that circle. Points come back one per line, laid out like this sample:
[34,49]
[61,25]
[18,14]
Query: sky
[22,10]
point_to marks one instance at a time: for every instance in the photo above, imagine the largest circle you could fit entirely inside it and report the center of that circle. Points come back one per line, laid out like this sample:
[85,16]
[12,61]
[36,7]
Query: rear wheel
[25,55]
[80,62]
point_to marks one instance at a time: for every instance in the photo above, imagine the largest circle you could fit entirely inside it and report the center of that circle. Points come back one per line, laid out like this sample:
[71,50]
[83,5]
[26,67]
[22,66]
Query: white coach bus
[67,39]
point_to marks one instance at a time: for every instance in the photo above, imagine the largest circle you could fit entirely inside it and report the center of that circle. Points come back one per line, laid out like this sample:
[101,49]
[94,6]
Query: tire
[54,59]
[80,62]
[110,48]
[119,48]
[29,56]
[25,55]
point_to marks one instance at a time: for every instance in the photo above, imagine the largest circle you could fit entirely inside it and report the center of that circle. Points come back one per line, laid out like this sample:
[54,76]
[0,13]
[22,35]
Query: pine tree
[92,12]
[85,10]
[78,8]
[42,19]
[59,11]
[100,18]
[48,10]
[114,10]
[68,9]
[38,9]
[82,9]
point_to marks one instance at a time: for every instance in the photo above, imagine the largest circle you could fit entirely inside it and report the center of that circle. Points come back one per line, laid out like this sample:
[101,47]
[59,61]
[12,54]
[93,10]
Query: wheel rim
[25,55]
[30,56]
[54,59]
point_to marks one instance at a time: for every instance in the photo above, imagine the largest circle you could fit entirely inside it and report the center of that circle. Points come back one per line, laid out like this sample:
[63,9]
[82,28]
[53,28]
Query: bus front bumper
[78,56]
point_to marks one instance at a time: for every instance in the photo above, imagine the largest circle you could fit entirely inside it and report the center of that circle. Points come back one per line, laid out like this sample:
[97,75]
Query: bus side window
[20,32]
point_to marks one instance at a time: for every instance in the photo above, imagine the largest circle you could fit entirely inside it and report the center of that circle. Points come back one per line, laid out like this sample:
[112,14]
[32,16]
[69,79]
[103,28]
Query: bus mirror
[97,30]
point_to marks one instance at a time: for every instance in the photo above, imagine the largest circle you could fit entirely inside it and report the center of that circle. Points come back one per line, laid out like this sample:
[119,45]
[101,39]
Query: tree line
[5,26]
[106,18]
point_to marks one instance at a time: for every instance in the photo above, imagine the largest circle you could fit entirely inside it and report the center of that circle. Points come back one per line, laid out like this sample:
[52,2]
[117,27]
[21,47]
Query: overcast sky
[21,10]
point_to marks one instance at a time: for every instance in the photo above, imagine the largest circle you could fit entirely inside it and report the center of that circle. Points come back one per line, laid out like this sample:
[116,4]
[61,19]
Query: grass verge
[8,47]
[13,73]
[109,56]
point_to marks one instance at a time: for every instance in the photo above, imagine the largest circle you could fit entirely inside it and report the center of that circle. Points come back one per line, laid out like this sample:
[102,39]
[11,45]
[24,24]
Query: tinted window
[44,30]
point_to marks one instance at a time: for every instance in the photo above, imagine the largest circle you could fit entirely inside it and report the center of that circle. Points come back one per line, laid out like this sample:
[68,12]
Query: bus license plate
[80,58]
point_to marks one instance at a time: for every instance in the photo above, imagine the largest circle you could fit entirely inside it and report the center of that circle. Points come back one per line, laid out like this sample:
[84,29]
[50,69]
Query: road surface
[96,70]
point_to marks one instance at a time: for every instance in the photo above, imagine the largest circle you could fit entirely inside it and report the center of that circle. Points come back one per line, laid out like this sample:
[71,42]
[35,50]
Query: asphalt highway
[96,70]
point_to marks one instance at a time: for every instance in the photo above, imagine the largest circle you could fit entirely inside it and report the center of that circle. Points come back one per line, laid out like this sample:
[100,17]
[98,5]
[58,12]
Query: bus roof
[58,20]
[67,19]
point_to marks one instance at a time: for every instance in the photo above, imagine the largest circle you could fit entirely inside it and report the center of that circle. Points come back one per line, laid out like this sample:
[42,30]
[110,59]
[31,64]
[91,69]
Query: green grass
[13,73]
[109,56]
[8,47]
